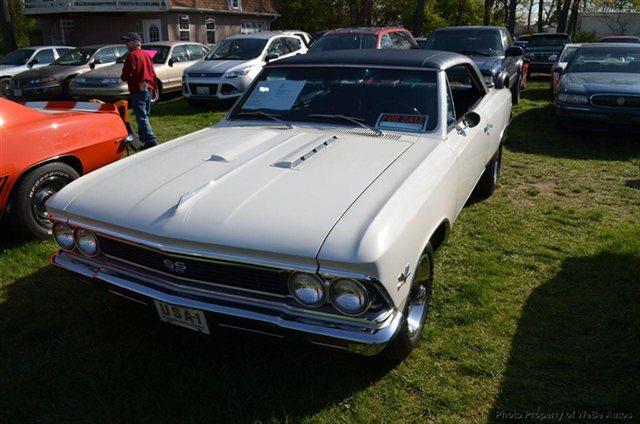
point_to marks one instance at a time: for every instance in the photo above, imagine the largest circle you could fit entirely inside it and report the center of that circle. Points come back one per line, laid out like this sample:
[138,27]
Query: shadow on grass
[534,131]
[577,342]
[178,106]
[71,352]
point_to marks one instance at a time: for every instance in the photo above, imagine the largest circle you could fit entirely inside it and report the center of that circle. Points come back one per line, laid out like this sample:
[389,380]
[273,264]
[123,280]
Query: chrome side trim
[355,331]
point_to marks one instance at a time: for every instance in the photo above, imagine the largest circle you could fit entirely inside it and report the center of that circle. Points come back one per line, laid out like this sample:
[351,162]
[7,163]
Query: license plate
[203,91]
[17,92]
[184,317]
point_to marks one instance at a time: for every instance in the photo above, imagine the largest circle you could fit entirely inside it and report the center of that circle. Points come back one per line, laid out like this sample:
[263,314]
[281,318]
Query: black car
[523,40]
[600,88]
[491,48]
[543,50]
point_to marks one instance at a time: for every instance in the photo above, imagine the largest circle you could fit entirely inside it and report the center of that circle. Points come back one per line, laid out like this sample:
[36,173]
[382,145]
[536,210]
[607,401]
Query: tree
[564,15]
[511,21]
[8,31]
[540,15]
[418,17]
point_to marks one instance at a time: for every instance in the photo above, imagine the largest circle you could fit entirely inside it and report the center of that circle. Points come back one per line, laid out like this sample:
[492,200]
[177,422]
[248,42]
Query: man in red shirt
[140,77]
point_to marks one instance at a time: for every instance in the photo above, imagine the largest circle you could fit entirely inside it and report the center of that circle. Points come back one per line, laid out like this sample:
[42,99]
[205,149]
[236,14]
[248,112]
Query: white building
[609,23]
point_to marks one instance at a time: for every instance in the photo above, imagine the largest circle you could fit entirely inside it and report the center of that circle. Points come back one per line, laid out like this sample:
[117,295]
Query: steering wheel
[412,110]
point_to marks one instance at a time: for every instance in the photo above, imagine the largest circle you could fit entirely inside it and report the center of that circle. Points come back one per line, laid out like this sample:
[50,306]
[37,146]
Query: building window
[249,27]
[183,27]
[235,4]
[154,33]
[210,25]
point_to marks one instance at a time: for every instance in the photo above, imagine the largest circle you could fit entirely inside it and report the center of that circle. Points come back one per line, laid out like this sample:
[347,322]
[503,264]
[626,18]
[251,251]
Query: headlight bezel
[77,243]
[366,304]
[67,228]
[320,302]
[238,73]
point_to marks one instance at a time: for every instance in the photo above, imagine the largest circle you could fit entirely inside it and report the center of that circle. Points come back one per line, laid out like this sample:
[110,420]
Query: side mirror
[500,82]
[558,70]
[271,56]
[92,64]
[32,62]
[514,51]
[171,62]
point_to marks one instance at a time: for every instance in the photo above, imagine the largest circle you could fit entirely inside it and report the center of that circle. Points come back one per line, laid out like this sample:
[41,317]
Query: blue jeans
[141,103]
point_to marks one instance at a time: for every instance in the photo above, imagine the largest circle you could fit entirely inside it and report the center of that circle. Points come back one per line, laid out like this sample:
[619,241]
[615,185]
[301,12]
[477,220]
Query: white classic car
[314,209]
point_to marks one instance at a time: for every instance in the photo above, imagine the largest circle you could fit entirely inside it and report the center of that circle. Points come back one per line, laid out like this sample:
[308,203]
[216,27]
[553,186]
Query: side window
[276,46]
[399,42]
[451,112]
[121,50]
[293,44]
[197,51]
[44,56]
[386,42]
[465,90]
[180,54]
[105,55]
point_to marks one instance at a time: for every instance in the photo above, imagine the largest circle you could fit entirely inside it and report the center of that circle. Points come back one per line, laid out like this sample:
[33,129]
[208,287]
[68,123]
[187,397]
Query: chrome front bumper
[269,318]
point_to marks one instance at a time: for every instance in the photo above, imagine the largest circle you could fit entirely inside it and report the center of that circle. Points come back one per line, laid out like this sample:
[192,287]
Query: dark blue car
[600,88]
[491,48]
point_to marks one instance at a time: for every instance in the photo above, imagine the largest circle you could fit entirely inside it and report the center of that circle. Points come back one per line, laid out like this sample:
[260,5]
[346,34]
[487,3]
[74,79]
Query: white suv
[228,70]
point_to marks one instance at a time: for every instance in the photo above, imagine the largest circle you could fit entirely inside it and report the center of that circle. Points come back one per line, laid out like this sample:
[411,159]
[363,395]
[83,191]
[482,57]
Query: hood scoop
[295,159]
[364,133]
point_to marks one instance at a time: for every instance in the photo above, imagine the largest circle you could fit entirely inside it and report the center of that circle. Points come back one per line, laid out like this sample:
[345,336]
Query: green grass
[536,307]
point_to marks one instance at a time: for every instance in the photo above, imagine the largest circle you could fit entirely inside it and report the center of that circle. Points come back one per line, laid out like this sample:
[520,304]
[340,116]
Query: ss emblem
[177,267]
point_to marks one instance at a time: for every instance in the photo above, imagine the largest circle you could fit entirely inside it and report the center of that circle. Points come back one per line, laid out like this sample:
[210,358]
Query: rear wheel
[416,310]
[27,209]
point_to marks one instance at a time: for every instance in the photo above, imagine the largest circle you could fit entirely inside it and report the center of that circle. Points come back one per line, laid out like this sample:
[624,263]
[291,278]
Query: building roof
[389,57]
[266,7]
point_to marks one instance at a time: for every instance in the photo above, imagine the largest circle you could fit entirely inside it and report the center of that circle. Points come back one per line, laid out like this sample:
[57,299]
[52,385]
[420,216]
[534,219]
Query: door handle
[487,128]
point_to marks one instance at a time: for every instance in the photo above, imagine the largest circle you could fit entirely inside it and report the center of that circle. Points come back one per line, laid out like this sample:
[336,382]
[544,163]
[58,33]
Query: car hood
[56,71]
[489,64]
[111,71]
[601,82]
[233,189]
[11,69]
[220,66]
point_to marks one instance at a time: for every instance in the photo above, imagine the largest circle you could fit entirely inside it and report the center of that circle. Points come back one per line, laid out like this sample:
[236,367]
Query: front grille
[618,101]
[212,89]
[542,56]
[205,74]
[268,280]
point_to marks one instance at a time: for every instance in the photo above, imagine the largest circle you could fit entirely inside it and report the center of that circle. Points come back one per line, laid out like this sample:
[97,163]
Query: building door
[152,30]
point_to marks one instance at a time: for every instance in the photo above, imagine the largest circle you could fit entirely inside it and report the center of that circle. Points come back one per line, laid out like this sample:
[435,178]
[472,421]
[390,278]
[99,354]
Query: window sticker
[274,94]
[400,122]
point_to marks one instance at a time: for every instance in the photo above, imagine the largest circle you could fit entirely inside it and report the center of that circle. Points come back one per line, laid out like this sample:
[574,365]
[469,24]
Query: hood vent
[295,159]
[364,133]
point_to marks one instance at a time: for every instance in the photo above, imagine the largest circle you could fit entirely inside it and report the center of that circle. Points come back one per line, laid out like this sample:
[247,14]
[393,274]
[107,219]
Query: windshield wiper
[353,120]
[267,115]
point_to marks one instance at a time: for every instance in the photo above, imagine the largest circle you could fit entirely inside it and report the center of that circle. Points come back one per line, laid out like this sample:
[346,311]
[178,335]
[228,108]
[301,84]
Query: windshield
[606,60]
[75,57]
[344,42]
[485,43]
[237,49]
[158,54]
[387,99]
[568,54]
[548,40]
[17,57]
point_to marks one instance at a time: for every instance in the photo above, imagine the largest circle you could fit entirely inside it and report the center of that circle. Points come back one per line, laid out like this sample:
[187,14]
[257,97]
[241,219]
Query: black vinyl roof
[385,57]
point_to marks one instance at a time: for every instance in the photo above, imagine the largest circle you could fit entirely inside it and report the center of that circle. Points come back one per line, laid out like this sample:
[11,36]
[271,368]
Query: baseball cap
[132,36]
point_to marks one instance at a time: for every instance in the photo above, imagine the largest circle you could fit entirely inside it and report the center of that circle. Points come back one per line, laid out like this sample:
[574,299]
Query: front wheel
[489,180]
[4,86]
[515,92]
[416,311]
[38,185]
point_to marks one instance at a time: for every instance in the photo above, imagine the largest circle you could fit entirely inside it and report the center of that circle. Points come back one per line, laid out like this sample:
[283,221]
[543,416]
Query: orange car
[46,145]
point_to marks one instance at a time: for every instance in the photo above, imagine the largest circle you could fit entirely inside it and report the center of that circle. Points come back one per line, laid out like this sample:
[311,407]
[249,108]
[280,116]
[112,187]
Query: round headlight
[349,296]
[63,235]
[307,289]
[86,242]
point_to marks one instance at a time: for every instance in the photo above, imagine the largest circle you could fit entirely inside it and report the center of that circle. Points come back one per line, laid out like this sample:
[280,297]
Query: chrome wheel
[41,194]
[417,309]
[418,302]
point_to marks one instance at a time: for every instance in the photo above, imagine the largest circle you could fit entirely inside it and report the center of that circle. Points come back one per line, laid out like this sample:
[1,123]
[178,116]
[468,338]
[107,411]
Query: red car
[365,38]
[48,145]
